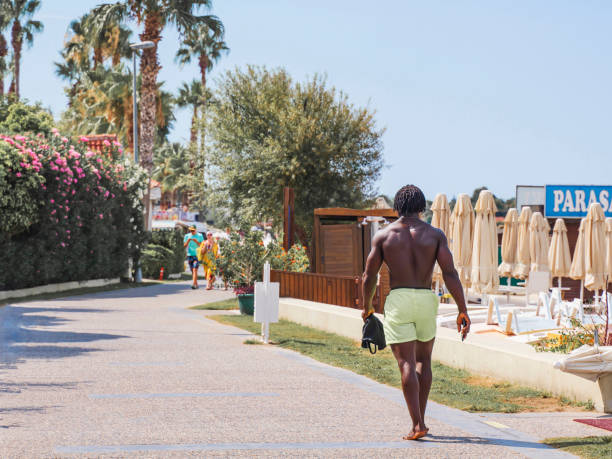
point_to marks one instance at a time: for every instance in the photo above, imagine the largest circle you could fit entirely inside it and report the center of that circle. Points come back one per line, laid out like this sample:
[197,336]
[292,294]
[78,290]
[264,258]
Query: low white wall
[484,355]
[54,288]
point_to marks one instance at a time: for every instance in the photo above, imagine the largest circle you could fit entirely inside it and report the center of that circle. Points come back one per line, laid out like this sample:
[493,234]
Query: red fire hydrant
[161,273]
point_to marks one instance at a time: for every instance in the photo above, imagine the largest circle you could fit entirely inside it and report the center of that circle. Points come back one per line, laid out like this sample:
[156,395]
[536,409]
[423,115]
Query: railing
[323,288]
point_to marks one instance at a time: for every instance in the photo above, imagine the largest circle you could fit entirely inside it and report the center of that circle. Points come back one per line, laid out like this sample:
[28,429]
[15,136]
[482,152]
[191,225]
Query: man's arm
[370,275]
[452,281]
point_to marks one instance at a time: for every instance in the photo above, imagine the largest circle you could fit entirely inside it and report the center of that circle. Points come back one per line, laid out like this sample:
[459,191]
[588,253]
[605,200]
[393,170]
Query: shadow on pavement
[512,443]
[142,292]
[19,328]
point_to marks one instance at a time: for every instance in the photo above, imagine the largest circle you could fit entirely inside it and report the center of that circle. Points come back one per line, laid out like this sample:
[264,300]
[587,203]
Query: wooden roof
[95,141]
[344,212]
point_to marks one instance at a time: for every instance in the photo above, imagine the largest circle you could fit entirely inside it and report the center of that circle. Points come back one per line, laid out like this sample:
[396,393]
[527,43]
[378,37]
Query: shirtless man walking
[410,248]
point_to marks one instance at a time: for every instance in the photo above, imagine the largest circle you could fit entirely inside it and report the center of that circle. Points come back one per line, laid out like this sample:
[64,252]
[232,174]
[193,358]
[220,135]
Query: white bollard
[266,303]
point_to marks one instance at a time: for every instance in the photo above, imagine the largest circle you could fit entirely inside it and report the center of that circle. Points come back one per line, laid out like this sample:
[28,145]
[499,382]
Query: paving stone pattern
[135,373]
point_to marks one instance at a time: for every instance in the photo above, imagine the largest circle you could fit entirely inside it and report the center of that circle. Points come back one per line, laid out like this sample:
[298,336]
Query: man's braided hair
[409,200]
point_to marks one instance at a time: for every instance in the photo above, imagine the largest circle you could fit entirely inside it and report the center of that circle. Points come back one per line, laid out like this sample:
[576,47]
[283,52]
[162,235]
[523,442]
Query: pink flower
[101,215]
[18,174]
[20,138]
[83,139]
[22,164]
[54,131]
[89,154]
[52,201]
[117,144]
[63,244]
[65,139]
[106,143]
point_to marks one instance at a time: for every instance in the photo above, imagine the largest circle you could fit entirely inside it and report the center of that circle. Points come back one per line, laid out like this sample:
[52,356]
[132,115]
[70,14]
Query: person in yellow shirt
[209,251]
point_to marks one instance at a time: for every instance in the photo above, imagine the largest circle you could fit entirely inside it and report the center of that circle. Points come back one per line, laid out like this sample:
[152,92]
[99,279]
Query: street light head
[142,45]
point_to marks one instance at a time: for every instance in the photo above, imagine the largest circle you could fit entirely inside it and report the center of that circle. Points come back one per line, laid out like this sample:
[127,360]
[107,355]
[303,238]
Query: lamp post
[135,47]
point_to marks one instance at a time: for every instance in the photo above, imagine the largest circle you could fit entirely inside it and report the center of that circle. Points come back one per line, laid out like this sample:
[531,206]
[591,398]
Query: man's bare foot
[416,434]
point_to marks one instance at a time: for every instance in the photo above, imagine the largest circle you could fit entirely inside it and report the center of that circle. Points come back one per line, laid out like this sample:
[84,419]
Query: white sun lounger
[520,323]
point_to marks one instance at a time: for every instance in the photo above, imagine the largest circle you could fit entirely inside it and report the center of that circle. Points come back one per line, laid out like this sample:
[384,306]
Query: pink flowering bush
[66,213]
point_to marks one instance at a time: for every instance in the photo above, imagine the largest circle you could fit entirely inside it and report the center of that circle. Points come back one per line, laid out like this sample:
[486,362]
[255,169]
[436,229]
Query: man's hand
[463,316]
[367,312]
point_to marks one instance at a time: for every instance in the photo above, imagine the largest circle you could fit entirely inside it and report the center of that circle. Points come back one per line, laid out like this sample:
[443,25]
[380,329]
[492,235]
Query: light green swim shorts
[410,314]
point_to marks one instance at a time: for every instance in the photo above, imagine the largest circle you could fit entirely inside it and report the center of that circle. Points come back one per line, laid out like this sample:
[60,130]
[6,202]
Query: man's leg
[405,354]
[194,274]
[423,370]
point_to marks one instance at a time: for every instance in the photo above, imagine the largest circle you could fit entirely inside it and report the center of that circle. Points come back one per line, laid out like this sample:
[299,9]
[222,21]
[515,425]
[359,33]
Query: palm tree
[20,13]
[154,15]
[3,51]
[190,95]
[204,43]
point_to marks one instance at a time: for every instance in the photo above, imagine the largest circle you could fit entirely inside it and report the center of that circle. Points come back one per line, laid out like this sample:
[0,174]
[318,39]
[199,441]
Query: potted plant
[241,262]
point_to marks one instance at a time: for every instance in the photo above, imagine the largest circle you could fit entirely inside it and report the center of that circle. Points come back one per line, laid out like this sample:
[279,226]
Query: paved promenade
[135,373]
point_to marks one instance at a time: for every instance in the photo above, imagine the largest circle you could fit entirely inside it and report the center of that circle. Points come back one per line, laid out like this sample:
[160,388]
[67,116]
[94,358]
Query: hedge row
[66,213]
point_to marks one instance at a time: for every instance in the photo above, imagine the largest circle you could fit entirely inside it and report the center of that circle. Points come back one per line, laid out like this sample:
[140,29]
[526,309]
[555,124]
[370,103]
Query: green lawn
[222,305]
[79,291]
[452,387]
[587,447]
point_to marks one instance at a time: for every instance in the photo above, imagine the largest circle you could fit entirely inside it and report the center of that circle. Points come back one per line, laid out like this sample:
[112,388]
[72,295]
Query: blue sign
[572,201]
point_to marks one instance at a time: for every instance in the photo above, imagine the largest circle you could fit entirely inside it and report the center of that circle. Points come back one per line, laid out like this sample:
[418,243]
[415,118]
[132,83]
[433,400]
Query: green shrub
[165,250]
[66,213]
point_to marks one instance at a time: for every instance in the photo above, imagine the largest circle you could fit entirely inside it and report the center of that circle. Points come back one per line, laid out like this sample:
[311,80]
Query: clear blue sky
[471,93]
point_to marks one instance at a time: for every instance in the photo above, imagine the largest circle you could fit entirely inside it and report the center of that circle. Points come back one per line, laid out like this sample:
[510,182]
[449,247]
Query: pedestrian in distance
[410,247]
[209,251]
[191,242]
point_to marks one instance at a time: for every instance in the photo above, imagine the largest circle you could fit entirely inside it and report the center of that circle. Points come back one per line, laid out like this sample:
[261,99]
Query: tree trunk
[203,61]
[98,57]
[3,53]
[194,126]
[16,41]
[149,68]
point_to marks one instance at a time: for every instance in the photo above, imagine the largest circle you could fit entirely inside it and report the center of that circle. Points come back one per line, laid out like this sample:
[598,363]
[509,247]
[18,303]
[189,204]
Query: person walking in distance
[191,242]
[410,247]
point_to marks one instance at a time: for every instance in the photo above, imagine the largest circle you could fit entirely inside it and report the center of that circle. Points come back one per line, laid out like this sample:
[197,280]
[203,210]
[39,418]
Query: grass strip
[585,447]
[78,291]
[222,305]
[452,387]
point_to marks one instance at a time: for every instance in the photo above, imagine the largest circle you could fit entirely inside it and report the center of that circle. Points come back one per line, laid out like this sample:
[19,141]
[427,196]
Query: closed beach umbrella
[595,248]
[559,259]
[484,276]
[609,249]
[461,235]
[509,239]
[440,219]
[523,259]
[538,243]
[577,268]
[590,362]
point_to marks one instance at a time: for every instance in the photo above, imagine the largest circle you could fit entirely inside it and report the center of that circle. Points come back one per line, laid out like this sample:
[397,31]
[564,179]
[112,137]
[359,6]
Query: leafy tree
[268,132]
[502,205]
[20,13]
[19,117]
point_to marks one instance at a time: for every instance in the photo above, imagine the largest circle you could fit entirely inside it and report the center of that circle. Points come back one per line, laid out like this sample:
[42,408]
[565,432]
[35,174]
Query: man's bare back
[409,247]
